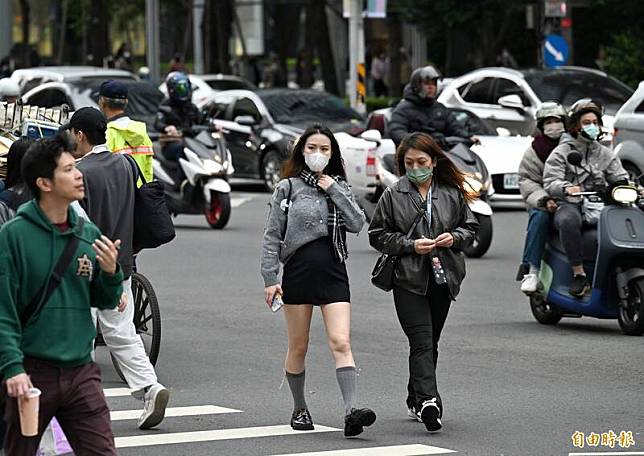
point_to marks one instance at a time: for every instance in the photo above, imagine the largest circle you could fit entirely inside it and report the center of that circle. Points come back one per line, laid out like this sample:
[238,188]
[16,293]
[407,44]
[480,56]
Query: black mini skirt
[314,276]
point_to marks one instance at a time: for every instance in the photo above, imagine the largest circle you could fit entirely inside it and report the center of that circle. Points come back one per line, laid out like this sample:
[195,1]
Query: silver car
[509,98]
[628,136]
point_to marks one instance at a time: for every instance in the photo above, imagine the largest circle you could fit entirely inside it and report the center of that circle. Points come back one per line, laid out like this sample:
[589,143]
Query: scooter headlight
[212,167]
[624,194]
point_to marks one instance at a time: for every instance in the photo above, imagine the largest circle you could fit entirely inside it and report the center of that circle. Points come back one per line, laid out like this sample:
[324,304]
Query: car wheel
[271,170]
[481,242]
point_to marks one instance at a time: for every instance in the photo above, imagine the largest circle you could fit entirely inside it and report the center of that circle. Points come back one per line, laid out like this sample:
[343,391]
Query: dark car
[260,126]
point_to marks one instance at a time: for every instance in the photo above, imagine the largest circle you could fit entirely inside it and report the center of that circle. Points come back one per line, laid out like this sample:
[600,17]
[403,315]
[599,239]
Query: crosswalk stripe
[210,436]
[395,450]
[116,392]
[174,411]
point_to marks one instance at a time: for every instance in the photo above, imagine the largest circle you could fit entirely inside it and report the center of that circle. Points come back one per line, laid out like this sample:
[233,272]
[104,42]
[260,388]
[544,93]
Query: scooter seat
[589,242]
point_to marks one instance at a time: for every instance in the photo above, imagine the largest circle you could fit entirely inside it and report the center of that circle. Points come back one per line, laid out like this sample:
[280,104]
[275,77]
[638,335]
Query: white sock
[534,270]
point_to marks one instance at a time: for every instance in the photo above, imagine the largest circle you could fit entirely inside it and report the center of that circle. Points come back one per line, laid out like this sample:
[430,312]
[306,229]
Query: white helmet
[8,88]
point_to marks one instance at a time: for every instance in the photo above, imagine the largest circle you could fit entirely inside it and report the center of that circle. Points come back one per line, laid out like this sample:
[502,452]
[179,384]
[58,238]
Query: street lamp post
[357,76]
[152,38]
[197,35]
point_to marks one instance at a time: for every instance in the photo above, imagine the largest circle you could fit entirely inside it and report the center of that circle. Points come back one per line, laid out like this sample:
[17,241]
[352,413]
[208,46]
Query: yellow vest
[127,136]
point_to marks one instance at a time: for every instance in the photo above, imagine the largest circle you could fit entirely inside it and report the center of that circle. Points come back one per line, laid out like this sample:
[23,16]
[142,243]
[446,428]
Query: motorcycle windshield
[207,147]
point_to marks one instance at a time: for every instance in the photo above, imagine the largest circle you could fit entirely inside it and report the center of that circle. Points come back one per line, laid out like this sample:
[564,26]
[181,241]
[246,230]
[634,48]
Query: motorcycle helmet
[549,109]
[584,106]
[179,87]
[423,74]
[9,89]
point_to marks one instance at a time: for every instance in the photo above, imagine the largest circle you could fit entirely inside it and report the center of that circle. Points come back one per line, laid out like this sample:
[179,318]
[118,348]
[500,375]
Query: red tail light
[371,163]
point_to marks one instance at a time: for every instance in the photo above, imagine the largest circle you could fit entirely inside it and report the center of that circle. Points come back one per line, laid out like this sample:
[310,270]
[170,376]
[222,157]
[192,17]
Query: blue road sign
[555,51]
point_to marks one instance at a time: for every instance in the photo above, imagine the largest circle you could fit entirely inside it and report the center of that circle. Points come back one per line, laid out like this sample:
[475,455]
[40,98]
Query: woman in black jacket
[431,197]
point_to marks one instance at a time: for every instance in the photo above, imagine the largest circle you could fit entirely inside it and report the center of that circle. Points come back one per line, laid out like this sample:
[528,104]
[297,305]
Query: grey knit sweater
[307,221]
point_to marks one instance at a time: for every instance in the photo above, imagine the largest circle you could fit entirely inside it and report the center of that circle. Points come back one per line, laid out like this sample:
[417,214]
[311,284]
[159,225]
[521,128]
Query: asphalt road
[510,385]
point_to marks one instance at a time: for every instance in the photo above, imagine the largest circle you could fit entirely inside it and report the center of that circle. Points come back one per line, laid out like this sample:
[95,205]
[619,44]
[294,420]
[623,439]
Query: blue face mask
[591,131]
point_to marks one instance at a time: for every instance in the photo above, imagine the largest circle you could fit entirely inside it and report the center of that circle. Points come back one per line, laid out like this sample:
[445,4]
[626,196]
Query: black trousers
[568,221]
[422,319]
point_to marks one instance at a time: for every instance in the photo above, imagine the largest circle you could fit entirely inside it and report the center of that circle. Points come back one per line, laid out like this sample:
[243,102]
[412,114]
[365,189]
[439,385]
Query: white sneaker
[155,402]
[529,283]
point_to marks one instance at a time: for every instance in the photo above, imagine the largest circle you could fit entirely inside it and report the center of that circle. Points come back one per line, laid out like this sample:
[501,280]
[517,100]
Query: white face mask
[554,130]
[316,161]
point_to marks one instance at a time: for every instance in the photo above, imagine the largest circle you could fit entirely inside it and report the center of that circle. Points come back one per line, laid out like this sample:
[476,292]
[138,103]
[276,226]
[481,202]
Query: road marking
[236,202]
[210,436]
[116,392]
[174,411]
[610,453]
[397,450]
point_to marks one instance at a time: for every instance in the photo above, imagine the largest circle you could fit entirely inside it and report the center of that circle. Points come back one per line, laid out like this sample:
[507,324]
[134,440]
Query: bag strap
[137,171]
[288,206]
[414,225]
[47,289]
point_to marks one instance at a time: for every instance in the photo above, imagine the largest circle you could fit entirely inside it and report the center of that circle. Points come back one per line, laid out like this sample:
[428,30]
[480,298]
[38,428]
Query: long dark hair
[14,159]
[445,171]
[295,163]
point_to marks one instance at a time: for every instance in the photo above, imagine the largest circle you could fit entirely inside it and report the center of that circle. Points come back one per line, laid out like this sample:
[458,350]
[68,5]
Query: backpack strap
[47,289]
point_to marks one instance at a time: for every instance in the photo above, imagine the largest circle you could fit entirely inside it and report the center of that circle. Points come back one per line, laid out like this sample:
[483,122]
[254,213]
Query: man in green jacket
[124,135]
[50,348]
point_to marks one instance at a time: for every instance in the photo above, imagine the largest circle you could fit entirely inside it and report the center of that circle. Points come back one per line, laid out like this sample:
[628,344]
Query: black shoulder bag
[382,275]
[152,221]
[47,289]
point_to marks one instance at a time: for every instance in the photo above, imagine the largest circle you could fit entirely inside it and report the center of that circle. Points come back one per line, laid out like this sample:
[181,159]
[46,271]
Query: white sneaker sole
[158,412]
[413,416]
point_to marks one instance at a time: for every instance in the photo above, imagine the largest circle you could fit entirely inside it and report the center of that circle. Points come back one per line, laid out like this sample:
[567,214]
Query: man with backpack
[53,267]
[109,202]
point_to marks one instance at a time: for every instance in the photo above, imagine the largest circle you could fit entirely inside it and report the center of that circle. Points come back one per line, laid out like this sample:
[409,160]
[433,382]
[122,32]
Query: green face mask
[419,175]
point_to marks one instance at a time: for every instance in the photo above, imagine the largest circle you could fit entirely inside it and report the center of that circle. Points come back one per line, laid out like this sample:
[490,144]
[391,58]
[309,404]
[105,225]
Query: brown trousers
[75,397]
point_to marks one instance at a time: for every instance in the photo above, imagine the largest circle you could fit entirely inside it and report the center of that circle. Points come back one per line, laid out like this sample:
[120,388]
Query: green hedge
[374,103]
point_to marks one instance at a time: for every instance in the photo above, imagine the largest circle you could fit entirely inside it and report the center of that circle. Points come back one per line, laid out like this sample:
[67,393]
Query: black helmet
[179,87]
[423,74]
[584,106]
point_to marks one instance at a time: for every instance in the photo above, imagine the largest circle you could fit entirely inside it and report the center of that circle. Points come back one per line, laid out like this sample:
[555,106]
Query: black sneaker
[430,415]
[579,285]
[301,420]
[356,420]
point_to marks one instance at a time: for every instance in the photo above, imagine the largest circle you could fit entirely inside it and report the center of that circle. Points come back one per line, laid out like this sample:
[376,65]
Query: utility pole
[152,39]
[197,35]
[357,78]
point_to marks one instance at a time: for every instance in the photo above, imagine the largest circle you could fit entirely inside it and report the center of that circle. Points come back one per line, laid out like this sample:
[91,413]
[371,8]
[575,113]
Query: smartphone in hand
[277,302]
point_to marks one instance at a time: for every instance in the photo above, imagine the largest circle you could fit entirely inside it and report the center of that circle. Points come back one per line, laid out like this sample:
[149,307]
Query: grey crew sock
[296,384]
[348,381]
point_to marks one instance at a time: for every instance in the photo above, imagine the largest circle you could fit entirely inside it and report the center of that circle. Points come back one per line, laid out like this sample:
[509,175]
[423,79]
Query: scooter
[616,268]
[477,178]
[207,166]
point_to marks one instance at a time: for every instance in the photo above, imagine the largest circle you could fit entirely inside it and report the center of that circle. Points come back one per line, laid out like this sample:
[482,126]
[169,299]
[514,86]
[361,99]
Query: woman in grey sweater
[310,212]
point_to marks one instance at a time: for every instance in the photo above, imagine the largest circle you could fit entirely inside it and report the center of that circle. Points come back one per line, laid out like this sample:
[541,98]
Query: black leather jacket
[423,114]
[395,214]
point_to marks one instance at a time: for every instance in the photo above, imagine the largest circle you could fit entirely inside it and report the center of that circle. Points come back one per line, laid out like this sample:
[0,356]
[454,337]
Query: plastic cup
[28,406]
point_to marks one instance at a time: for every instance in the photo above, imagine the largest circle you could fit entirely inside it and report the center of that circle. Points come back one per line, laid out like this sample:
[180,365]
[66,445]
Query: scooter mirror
[574,158]
[624,195]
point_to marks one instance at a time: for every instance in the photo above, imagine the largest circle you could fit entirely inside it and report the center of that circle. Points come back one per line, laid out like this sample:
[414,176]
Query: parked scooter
[478,179]
[616,268]
[207,166]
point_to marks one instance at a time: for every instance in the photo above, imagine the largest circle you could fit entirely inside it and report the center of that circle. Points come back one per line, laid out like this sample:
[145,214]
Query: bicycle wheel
[147,318]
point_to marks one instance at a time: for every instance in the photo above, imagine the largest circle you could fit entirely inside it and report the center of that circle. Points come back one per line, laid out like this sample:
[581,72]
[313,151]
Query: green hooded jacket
[63,332]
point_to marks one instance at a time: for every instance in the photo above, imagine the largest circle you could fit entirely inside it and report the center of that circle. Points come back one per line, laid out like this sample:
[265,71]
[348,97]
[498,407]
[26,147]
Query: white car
[500,151]
[204,86]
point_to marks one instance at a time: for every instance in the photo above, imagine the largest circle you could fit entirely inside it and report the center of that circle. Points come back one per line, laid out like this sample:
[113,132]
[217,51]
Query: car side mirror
[512,101]
[371,135]
[247,121]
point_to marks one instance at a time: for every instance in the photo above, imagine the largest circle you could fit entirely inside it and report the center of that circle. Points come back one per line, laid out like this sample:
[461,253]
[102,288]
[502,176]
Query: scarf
[543,145]
[337,231]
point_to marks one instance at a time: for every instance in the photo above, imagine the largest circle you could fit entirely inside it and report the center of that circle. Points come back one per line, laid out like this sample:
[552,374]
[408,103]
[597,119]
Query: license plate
[511,181]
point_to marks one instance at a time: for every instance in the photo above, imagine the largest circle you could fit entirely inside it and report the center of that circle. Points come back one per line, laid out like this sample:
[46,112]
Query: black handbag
[152,221]
[382,275]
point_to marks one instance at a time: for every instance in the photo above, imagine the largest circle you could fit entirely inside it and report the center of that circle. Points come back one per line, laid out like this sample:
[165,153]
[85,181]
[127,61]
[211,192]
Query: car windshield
[229,84]
[567,86]
[296,106]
